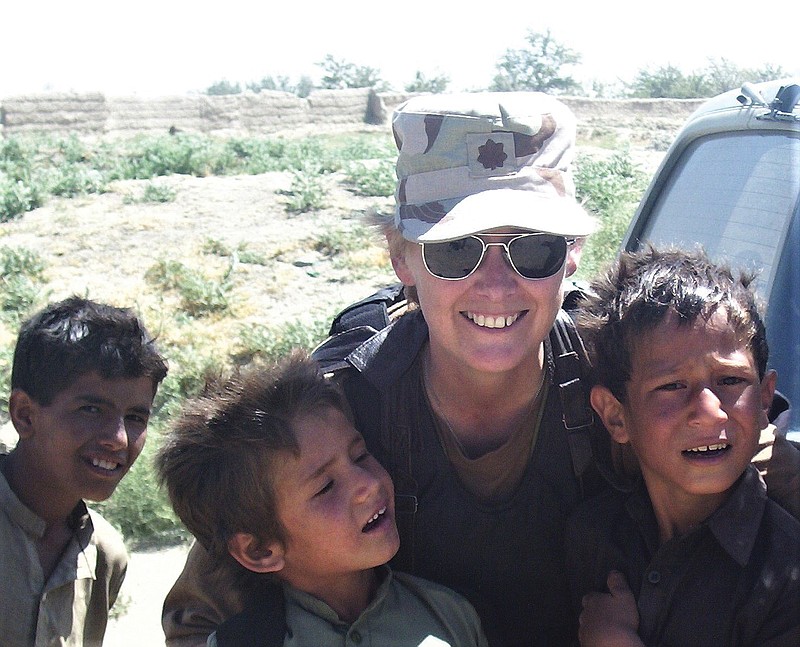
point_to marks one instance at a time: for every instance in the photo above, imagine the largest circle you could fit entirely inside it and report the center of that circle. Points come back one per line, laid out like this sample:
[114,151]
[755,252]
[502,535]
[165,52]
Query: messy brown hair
[216,459]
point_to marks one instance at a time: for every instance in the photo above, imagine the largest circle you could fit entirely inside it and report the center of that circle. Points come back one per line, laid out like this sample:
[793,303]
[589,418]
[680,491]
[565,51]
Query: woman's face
[492,321]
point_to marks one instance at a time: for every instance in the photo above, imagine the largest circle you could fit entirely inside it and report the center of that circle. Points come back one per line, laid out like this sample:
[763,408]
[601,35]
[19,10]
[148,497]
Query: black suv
[731,182]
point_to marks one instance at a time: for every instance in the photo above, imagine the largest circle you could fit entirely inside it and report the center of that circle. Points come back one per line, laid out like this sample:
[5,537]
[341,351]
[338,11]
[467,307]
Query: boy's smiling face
[87,438]
[694,408]
[335,503]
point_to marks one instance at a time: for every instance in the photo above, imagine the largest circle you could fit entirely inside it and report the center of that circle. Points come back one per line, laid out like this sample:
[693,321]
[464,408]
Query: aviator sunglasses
[533,256]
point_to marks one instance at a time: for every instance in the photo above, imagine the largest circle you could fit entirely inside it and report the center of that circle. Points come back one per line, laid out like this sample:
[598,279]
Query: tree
[717,77]
[341,74]
[436,85]
[281,83]
[667,82]
[223,87]
[538,67]
[722,75]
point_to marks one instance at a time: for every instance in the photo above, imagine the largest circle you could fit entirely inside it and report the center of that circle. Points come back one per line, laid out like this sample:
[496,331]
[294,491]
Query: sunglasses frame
[505,245]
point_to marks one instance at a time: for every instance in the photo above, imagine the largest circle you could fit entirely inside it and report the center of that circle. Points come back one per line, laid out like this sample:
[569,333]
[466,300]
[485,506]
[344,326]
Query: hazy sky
[163,47]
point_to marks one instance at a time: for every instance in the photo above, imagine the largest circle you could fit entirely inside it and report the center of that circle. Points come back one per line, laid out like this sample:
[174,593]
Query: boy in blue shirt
[680,353]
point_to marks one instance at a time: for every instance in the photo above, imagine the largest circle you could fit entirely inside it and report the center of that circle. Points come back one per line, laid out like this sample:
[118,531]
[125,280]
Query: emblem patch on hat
[491,154]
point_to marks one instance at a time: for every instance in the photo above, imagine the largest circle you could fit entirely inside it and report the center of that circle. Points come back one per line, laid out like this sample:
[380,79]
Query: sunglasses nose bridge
[506,252]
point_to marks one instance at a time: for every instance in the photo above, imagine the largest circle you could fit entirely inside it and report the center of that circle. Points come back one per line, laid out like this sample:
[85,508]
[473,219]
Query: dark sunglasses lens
[453,259]
[538,256]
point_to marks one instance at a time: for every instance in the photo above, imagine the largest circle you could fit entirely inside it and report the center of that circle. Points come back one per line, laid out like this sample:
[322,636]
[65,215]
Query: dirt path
[150,576]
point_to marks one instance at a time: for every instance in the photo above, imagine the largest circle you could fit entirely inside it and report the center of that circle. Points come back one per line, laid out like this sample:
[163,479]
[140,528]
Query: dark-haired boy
[306,505]
[82,385]
[680,355]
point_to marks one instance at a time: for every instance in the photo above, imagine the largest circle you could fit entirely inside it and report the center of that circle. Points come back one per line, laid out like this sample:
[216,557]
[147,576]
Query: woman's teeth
[492,322]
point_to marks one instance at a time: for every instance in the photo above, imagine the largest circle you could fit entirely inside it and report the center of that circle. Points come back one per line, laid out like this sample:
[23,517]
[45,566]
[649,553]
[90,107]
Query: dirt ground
[102,247]
[150,576]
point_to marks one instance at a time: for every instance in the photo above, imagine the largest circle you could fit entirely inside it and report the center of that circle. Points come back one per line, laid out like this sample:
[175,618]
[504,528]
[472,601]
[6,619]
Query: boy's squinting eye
[326,488]
[670,386]
[732,380]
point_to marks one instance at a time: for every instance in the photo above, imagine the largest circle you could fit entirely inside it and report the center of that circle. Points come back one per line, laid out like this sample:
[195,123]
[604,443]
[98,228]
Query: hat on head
[472,162]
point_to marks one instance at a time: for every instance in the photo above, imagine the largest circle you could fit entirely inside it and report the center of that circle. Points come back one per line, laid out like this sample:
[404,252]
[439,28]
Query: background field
[230,269]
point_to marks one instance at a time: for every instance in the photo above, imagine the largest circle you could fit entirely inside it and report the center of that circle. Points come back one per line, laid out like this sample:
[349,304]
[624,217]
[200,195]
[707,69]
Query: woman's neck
[482,410]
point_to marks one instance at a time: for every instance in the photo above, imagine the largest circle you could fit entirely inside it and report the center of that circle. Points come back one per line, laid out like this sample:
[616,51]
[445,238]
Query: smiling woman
[458,409]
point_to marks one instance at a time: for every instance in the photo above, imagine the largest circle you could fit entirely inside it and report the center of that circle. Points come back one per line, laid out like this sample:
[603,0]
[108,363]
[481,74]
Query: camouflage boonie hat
[473,162]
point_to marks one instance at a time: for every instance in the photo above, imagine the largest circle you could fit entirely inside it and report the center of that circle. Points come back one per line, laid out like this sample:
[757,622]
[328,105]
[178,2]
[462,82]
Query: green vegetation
[717,77]
[539,66]
[194,297]
[610,188]
[34,168]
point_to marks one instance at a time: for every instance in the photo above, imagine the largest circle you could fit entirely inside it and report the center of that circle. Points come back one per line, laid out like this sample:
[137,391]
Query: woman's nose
[495,268]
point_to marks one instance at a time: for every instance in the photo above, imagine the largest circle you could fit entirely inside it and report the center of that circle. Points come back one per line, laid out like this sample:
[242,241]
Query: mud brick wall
[270,112]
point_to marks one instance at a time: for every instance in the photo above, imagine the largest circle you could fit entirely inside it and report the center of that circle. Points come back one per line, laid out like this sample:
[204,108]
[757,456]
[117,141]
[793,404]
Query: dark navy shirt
[732,581]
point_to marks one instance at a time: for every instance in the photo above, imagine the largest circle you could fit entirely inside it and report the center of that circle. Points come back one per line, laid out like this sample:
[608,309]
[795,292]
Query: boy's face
[694,409]
[334,501]
[89,436]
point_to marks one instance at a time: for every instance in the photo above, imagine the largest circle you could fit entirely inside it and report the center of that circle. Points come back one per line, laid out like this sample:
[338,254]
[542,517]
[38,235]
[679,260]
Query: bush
[21,282]
[306,192]
[17,197]
[152,192]
[611,189]
[200,295]
[378,180]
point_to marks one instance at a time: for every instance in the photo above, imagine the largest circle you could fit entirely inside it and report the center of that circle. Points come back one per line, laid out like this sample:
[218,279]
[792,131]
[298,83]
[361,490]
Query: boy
[269,474]
[83,380]
[680,356]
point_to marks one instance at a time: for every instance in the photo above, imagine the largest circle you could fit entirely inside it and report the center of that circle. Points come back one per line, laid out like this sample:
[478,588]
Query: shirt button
[654,577]
[355,636]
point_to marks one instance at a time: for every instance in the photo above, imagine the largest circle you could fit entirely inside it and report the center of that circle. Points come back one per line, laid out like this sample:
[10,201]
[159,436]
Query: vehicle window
[738,195]
[783,321]
[735,195]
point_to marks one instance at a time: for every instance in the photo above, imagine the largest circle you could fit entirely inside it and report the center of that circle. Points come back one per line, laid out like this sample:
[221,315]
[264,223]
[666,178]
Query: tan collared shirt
[71,607]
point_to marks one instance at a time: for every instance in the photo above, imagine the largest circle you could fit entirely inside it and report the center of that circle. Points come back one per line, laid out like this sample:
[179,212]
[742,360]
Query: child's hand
[610,619]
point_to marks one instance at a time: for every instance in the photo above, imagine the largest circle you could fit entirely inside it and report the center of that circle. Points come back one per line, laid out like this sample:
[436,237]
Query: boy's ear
[22,410]
[768,385]
[255,555]
[611,412]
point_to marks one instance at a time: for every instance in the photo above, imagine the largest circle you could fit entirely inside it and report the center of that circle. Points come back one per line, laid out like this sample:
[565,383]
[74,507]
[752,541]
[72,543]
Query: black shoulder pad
[331,353]
[372,312]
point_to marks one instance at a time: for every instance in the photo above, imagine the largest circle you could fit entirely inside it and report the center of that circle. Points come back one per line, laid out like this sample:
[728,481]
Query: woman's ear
[574,253]
[255,555]
[611,412]
[400,265]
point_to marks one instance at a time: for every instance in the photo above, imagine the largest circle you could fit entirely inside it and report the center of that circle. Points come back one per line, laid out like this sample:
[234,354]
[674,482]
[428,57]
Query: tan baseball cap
[477,161]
